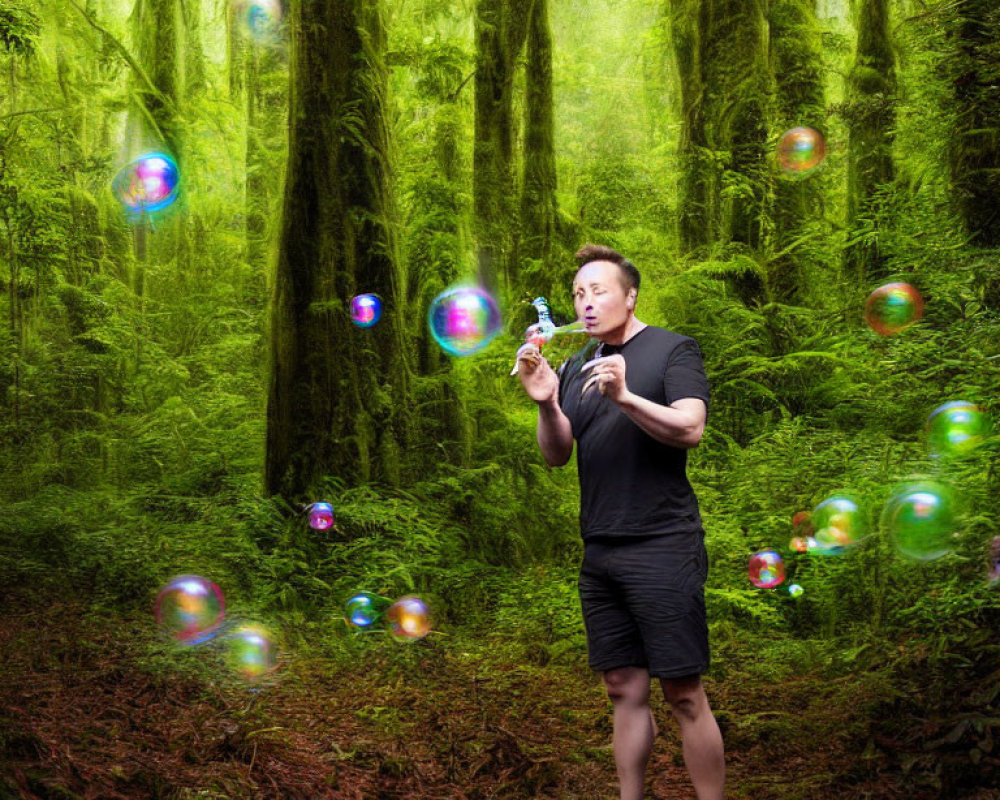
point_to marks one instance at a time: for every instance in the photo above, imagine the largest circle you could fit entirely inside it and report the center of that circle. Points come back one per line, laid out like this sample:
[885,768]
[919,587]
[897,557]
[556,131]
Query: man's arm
[555,434]
[681,424]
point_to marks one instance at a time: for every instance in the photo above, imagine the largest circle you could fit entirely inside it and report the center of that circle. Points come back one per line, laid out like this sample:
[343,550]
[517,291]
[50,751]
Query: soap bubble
[148,184]
[766,569]
[839,523]
[320,516]
[366,310]
[362,610]
[795,590]
[408,619]
[251,652]
[921,519]
[956,428]
[190,608]
[893,307]
[261,19]
[800,150]
[464,319]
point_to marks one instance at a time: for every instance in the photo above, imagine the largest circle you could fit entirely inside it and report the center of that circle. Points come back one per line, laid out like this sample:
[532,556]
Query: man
[634,411]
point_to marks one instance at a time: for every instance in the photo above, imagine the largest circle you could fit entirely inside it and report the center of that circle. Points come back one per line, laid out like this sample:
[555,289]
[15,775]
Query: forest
[200,201]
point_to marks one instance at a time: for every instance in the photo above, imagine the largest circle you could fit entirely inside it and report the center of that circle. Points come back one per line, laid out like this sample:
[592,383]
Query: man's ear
[631,298]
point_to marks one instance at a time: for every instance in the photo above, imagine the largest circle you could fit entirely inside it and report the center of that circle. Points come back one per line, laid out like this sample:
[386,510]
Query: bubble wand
[542,332]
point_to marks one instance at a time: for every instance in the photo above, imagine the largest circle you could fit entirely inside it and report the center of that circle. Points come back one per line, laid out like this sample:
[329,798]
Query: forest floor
[86,712]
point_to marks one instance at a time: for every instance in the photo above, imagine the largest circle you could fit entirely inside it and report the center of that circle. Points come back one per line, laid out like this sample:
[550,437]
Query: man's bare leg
[628,689]
[703,750]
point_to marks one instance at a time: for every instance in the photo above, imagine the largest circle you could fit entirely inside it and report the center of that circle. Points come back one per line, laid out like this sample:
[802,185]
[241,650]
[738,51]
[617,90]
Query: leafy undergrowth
[92,707]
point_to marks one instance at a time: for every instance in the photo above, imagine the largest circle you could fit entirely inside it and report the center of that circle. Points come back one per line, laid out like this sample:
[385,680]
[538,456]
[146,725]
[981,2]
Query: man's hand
[537,377]
[608,375]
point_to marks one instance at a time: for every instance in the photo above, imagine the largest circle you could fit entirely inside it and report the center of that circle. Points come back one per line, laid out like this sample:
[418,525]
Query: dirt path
[89,710]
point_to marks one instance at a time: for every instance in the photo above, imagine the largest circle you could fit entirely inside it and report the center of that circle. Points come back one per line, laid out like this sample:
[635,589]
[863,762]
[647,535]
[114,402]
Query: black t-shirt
[631,484]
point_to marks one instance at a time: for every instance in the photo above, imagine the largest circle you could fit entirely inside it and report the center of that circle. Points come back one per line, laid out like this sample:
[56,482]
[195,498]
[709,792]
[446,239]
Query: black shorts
[644,604]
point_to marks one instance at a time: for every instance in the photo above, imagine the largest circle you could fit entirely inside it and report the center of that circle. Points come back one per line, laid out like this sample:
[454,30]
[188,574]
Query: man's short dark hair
[598,252]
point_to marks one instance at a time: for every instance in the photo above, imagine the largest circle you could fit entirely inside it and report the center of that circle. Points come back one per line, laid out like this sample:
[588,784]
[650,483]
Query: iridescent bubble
[956,428]
[801,150]
[190,608]
[149,183]
[795,590]
[766,569]
[921,519]
[839,523]
[366,310]
[320,516]
[463,320]
[251,652]
[408,619]
[893,307]
[362,610]
[261,19]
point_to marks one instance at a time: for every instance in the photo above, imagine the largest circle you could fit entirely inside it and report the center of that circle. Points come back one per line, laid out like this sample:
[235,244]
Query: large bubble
[366,310]
[800,151]
[261,19]
[956,428]
[838,523]
[190,608]
[921,518]
[766,569]
[321,516]
[363,610]
[149,183]
[251,652]
[893,307]
[408,619]
[464,319]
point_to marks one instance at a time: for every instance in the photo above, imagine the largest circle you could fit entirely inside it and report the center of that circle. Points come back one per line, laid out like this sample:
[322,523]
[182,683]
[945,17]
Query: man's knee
[627,684]
[685,696]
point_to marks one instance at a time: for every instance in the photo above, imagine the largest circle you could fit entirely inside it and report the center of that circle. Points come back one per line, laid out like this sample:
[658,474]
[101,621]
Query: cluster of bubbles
[147,184]
[406,620]
[800,151]
[921,516]
[462,319]
[191,610]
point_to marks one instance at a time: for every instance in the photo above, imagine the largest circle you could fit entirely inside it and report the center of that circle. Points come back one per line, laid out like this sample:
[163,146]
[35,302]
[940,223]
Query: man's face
[600,299]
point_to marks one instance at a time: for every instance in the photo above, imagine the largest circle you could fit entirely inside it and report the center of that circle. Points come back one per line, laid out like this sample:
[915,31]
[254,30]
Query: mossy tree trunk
[501,28]
[538,219]
[796,62]
[698,195]
[721,50]
[975,153]
[870,111]
[738,65]
[337,395]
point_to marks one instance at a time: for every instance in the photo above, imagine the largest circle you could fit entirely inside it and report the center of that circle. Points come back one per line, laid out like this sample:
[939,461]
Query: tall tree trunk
[538,184]
[194,56]
[871,115]
[796,63]
[737,64]
[698,195]
[975,153]
[337,393]
[501,27]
